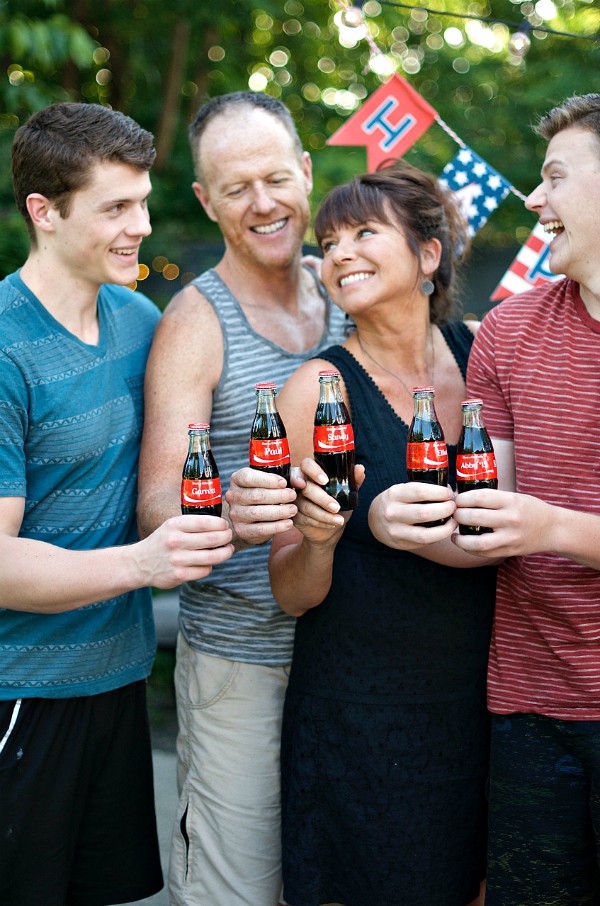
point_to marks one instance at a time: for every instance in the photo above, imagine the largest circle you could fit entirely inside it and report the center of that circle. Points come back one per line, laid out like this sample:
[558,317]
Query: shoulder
[9,295]
[122,297]
[523,306]
[308,373]
[191,306]
[189,338]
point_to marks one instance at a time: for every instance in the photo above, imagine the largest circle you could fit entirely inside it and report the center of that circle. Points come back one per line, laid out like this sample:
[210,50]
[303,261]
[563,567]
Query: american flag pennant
[530,267]
[478,188]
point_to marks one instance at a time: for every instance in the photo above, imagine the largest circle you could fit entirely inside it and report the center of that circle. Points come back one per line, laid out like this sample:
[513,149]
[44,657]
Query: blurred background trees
[157,61]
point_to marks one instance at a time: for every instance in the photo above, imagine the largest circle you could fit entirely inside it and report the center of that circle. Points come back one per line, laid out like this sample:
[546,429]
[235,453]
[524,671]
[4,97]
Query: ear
[42,212]
[307,171]
[431,252]
[202,196]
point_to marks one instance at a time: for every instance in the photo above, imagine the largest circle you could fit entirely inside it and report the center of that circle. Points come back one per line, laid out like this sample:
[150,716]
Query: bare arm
[43,578]
[183,371]
[301,560]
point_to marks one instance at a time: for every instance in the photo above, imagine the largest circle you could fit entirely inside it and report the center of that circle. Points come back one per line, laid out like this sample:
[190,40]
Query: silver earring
[427,287]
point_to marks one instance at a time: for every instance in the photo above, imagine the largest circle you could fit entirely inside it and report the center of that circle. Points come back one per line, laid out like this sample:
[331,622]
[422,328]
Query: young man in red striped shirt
[535,363]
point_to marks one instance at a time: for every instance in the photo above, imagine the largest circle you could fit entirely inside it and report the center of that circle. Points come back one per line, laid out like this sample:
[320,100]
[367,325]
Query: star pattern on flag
[478,188]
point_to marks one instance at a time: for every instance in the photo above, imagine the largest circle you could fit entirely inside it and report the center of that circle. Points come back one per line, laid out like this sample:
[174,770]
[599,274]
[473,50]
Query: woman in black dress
[384,751]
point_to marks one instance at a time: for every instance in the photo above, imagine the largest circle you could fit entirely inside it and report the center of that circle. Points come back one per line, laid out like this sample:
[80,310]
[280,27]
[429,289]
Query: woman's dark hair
[402,195]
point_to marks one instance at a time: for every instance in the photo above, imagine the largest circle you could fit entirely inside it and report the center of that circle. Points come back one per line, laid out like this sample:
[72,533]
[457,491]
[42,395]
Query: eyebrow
[554,161]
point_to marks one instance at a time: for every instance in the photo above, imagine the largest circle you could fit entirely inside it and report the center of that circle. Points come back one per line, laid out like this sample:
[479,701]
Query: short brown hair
[582,111]
[55,150]
[400,194]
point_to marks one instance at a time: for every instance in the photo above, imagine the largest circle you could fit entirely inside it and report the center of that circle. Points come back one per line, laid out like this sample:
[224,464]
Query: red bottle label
[333,438]
[428,454]
[201,492]
[476,467]
[273,452]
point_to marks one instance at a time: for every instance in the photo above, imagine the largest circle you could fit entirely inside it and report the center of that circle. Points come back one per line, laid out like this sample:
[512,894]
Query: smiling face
[567,202]
[372,263]
[98,240]
[255,186]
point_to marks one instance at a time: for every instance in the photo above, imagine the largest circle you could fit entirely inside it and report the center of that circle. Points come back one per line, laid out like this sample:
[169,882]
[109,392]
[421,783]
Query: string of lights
[490,20]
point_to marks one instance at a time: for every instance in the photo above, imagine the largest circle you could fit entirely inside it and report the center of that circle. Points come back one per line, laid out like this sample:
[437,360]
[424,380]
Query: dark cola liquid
[198,467]
[423,430]
[475,440]
[339,467]
[269,426]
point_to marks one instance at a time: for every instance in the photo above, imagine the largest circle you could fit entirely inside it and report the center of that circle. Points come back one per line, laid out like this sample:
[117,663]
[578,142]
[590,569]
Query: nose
[343,250]
[262,202]
[139,224]
[536,199]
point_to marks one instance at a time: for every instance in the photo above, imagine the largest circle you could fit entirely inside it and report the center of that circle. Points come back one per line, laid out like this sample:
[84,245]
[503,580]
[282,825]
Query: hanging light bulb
[352,17]
[519,43]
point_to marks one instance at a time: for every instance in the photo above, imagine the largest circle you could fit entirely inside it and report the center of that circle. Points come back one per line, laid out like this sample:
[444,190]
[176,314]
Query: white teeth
[123,251]
[554,226]
[355,278]
[270,227]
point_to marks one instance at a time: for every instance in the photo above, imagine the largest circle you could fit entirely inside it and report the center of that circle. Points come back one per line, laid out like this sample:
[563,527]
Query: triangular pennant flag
[529,268]
[478,187]
[388,123]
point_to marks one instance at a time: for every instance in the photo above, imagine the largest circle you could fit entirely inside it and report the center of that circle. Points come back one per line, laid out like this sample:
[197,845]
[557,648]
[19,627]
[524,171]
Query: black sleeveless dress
[385,733]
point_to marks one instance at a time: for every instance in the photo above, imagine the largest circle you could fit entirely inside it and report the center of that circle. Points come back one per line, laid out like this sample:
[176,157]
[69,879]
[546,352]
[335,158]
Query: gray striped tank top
[232,613]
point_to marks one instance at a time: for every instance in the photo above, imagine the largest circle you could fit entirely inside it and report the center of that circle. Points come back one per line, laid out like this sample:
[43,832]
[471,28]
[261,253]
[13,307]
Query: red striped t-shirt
[536,364]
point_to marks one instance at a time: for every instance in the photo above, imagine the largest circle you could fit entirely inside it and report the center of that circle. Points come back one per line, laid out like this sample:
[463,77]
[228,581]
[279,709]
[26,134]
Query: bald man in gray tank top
[255,317]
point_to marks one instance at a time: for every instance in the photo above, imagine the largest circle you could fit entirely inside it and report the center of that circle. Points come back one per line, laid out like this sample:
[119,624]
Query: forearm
[155,507]
[575,535]
[301,574]
[42,578]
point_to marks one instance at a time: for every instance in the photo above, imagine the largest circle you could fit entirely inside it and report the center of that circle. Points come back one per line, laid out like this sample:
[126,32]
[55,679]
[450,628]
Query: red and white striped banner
[529,268]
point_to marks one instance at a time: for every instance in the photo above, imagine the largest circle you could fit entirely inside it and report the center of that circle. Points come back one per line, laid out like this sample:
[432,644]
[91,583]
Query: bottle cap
[266,385]
[198,426]
[472,402]
[329,372]
[423,390]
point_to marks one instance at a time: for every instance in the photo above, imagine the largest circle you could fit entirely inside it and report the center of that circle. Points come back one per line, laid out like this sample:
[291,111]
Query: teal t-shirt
[70,427]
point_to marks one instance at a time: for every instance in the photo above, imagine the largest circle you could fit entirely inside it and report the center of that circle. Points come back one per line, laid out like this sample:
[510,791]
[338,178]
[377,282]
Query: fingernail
[322,478]
[334,506]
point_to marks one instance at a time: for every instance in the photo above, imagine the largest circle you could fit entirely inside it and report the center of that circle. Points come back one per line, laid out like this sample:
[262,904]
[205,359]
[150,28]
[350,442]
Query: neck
[253,285]
[591,300]
[410,364]
[71,302]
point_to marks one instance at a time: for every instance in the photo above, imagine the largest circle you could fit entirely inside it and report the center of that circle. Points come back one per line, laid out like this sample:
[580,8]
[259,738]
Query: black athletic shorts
[77,820]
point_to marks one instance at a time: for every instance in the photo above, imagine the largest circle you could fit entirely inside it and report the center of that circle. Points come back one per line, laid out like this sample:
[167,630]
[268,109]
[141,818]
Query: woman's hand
[319,517]
[398,514]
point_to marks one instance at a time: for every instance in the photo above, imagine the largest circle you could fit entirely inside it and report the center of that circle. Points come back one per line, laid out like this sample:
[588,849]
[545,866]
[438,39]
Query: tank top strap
[459,340]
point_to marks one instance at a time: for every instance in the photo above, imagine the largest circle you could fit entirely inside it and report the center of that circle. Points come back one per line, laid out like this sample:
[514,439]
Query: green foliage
[158,61]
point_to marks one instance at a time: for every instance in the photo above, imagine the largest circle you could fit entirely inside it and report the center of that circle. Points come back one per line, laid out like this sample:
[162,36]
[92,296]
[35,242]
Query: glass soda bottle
[426,451]
[475,460]
[333,441]
[200,482]
[269,449]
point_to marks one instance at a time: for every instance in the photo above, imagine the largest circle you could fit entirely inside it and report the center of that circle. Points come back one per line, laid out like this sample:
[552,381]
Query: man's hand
[260,506]
[183,549]
[521,524]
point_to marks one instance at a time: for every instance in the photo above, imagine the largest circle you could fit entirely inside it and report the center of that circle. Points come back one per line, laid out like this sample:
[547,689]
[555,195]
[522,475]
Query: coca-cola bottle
[333,441]
[475,460]
[200,482]
[269,448]
[426,451]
